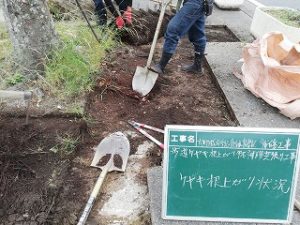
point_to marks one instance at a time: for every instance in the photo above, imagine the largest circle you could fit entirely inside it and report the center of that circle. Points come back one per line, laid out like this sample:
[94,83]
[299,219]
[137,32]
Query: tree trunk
[32,33]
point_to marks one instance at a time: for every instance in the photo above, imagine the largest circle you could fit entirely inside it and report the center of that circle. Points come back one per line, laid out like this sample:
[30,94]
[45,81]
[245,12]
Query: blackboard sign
[230,174]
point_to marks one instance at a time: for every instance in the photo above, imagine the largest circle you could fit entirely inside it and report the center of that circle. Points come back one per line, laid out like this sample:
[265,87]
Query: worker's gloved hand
[128,15]
[120,22]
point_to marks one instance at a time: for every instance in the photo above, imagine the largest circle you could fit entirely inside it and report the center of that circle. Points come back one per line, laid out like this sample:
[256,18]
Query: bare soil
[32,178]
[143,29]
[39,186]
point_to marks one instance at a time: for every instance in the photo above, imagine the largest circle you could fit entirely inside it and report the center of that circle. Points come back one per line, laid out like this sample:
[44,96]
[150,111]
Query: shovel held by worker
[144,79]
[111,155]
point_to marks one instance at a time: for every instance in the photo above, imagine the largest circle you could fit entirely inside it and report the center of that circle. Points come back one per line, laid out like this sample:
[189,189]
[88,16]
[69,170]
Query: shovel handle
[92,198]
[160,19]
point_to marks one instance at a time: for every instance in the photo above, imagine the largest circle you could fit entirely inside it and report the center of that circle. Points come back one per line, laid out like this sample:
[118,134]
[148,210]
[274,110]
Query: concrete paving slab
[155,176]
[248,8]
[248,110]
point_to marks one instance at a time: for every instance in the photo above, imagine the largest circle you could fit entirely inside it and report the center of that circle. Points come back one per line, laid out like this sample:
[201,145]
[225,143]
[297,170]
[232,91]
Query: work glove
[120,22]
[128,15]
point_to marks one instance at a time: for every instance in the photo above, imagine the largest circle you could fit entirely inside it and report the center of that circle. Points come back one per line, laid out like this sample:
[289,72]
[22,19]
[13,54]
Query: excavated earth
[39,185]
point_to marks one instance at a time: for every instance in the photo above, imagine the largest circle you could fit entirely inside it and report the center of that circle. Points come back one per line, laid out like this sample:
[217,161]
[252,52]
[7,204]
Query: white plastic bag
[271,71]
[229,4]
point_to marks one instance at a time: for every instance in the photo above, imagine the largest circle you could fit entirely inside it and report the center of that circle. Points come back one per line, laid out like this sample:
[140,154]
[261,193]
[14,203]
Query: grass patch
[288,17]
[66,145]
[75,109]
[6,50]
[73,67]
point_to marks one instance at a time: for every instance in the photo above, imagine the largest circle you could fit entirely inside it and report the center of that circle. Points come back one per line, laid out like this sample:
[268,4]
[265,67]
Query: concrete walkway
[222,58]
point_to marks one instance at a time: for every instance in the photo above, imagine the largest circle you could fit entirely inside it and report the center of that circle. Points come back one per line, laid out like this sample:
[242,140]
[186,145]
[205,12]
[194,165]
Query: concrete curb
[270,23]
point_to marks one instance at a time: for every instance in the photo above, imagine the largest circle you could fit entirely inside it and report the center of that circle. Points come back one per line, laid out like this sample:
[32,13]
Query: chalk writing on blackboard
[210,172]
[251,182]
[232,143]
[190,152]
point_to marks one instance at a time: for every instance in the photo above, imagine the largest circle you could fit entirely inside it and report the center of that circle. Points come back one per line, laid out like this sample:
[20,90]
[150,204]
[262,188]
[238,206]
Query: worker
[190,19]
[120,20]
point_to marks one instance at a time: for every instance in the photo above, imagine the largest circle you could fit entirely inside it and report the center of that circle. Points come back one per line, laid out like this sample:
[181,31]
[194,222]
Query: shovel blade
[143,80]
[112,152]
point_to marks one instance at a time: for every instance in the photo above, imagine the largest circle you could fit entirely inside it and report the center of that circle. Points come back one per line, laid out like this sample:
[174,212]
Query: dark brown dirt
[44,187]
[104,160]
[177,98]
[118,161]
[143,28]
[220,33]
[31,176]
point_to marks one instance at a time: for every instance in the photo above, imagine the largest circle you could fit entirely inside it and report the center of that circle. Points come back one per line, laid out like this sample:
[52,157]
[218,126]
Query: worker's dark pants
[101,12]
[189,20]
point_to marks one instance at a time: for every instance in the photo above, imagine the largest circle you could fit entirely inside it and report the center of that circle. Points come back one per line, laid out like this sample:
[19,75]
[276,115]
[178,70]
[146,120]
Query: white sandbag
[271,71]
[229,4]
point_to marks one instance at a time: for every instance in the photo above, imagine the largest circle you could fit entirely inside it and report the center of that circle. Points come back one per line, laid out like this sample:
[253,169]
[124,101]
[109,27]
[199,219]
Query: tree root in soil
[107,85]
[143,28]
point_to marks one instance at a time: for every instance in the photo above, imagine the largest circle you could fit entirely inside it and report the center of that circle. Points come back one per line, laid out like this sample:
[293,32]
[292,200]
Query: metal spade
[111,155]
[144,79]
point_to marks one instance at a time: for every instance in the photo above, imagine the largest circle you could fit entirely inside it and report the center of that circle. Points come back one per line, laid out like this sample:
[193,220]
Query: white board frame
[231,129]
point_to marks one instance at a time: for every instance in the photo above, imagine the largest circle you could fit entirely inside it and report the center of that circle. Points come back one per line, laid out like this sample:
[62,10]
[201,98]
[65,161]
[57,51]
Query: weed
[288,17]
[3,32]
[5,52]
[14,79]
[56,11]
[76,109]
[66,145]
[73,67]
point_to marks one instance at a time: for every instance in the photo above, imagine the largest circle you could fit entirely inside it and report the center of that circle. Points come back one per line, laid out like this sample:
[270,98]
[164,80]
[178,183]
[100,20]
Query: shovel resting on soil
[111,155]
[144,79]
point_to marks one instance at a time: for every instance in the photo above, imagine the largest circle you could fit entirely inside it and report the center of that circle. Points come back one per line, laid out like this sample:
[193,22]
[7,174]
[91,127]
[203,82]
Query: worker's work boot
[196,67]
[160,67]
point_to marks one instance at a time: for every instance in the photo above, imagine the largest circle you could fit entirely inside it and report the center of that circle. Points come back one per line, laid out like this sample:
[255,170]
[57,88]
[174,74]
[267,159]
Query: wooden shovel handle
[93,196]
[165,3]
